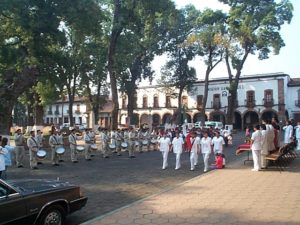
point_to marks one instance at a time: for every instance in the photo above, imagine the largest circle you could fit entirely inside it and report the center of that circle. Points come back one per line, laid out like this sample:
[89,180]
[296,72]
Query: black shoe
[39,163]
[88,159]
[106,157]
[56,164]
[35,168]
[20,166]
[61,160]
[75,161]
[132,157]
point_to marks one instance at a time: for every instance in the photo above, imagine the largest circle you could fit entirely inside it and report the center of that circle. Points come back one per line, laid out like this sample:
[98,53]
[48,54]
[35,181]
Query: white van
[214,124]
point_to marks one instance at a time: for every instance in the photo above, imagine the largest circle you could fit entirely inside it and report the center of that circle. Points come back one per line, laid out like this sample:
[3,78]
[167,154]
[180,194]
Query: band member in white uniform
[20,149]
[297,135]
[93,140]
[105,141]
[256,140]
[119,138]
[54,143]
[206,147]
[60,139]
[145,137]
[33,148]
[218,143]
[113,139]
[131,142]
[195,150]
[164,146]
[73,144]
[87,146]
[177,146]
[288,133]
[264,145]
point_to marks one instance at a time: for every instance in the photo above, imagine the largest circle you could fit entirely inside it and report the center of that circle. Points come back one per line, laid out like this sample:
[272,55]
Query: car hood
[27,186]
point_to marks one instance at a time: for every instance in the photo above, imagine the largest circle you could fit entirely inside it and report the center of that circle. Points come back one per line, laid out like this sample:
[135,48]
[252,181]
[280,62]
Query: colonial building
[259,97]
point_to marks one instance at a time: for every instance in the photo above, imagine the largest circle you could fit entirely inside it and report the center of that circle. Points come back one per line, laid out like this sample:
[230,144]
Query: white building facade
[259,97]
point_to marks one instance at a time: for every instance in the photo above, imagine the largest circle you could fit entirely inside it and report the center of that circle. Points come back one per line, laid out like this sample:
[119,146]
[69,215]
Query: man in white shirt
[206,146]
[54,143]
[164,146]
[218,142]
[20,149]
[297,135]
[73,145]
[288,133]
[33,149]
[195,150]
[177,146]
[256,147]
[87,147]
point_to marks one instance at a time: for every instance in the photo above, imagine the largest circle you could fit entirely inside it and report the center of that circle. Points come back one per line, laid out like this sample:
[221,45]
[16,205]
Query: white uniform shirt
[32,144]
[218,143]
[72,139]
[257,140]
[288,133]
[3,151]
[195,144]
[164,144]
[297,131]
[177,145]
[206,145]
[87,138]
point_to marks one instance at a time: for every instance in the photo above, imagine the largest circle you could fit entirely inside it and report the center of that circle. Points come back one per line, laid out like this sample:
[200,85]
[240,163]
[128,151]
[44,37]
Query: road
[115,182]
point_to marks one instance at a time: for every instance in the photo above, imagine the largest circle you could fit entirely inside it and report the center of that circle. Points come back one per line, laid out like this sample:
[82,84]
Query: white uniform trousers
[178,164]
[256,155]
[54,156]
[298,144]
[87,151]
[20,153]
[73,153]
[32,158]
[165,159]
[205,160]
[193,159]
[131,148]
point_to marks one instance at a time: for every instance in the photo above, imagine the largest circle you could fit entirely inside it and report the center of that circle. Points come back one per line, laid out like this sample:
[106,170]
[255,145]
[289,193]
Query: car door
[12,205]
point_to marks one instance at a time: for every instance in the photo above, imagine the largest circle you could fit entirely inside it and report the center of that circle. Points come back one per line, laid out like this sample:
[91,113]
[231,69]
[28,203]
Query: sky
[287,61]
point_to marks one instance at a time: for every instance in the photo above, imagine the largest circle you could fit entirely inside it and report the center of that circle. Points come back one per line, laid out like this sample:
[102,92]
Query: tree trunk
[116,30]
[13,84]
[131,104]
[38,111]
[179,110]
[204,102]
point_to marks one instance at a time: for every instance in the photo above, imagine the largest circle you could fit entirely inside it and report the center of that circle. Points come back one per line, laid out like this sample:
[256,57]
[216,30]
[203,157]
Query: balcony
[50,112]
[268,102]
[216,105]
[250,104]
[297,103]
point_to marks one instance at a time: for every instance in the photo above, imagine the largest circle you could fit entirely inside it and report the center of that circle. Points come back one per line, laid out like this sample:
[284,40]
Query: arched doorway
[268,115]
[167,118]
[187,117]
[251,119]
[155,120]
[237,121]
[144,119]
[197,117]
[217,116]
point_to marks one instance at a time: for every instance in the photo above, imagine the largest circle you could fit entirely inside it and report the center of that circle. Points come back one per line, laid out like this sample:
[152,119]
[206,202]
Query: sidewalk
[232,196]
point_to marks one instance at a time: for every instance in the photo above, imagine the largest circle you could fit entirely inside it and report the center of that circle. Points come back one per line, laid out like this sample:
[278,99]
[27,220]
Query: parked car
[38,202]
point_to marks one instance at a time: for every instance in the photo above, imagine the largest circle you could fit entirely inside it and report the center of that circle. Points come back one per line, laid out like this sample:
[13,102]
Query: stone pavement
[231,196]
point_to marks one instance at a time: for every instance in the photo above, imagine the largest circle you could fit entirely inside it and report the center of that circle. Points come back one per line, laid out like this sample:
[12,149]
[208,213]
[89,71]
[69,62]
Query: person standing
[206,147]
[288,132]
[33,149]
[7,156]
[20,149]
[73,144]
[93,140]
[256,147]
[3,152]
[131,142]
[54,143]
[218,143]
[87,146]
[60,139]
[118,138]
[195,149]
[177,146]
[105,146]
[297,135]
[164,147]
[264,146]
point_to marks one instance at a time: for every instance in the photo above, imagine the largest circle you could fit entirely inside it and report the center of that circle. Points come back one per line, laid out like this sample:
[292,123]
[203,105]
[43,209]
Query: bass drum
[94,147]
[112,146]
[60,151]
[124,145]
[41,154]
[145,142]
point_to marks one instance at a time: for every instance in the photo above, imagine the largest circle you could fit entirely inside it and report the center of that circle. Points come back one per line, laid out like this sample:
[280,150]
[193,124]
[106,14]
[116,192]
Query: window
[78,107]
[155,101]
[168,101]
[199,101]
[216,101]
[250,96]
[184,101]
[124,102]
[268,95]
[145,101]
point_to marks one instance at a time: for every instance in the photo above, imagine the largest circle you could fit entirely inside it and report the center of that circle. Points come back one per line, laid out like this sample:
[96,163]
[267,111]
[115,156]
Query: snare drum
[124,145]
[112,146]
[137,143]
[145,142]
[153,141]
[94,147]
[80,148]
[41,154]
[60,151]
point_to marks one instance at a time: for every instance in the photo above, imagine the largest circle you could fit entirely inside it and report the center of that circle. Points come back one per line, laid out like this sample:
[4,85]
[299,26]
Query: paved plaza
[232,196]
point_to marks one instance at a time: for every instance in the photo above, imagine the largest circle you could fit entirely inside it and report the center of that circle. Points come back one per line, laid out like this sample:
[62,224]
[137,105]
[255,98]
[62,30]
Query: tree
[209,29]
[253,27]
